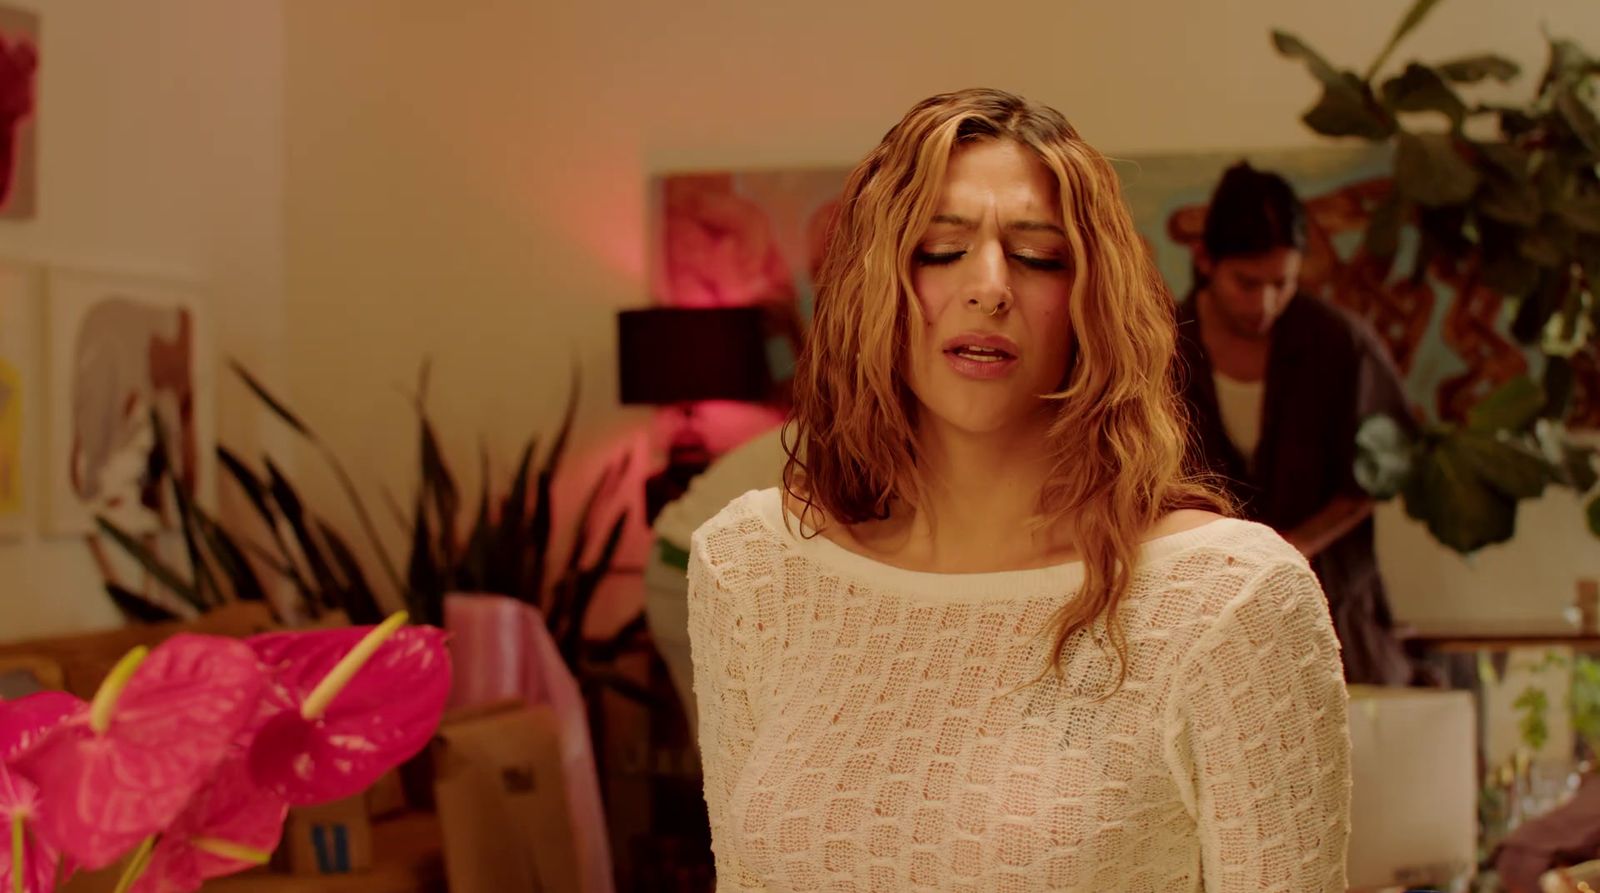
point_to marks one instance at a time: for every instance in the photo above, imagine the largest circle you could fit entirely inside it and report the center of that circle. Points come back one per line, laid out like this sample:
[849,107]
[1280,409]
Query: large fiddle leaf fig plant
[1509,192]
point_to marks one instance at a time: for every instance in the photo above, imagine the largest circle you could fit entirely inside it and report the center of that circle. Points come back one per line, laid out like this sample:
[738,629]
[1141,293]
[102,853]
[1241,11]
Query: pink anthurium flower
[348,705]
[29,864]
[156,731]
[231,825]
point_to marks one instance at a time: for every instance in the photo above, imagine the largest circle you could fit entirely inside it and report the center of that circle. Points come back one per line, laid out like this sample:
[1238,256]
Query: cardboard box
[1413,817]
[334,838]
[502,798]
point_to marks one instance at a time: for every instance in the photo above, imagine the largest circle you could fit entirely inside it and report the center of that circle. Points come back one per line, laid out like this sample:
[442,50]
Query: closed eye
[938,258]
[1041,263]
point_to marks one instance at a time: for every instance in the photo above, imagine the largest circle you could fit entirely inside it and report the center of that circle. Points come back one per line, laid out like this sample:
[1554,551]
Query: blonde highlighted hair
[1118,439]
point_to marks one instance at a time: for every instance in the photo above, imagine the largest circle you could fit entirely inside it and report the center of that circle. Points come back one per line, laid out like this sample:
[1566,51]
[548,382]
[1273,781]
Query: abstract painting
[756,237]
[124,352]
[750,238]
[19,77]
[20,328]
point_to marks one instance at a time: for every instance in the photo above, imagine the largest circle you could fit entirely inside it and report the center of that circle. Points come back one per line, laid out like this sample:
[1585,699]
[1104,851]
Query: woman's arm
[1259,743]
[720,641]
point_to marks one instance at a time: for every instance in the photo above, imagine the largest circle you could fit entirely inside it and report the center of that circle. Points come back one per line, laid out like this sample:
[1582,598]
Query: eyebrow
[1022,225]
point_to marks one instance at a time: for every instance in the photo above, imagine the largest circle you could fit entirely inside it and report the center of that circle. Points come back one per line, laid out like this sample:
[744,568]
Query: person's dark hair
[1253,212]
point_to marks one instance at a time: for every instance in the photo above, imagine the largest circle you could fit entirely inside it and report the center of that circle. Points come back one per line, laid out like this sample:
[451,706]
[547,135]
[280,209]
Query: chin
[982,421]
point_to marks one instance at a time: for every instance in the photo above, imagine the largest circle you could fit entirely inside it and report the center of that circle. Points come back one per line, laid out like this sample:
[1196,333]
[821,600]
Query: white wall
[467,180]
[160,151]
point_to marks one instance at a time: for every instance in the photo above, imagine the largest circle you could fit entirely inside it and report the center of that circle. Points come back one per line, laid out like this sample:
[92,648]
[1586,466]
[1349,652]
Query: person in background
[1278,383]
[988,634]
[755,464]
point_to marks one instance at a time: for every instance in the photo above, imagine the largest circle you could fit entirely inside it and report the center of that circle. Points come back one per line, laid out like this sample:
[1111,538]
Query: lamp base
[687,456]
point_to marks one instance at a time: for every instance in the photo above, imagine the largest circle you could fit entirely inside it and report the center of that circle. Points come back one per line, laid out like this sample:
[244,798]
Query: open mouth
[981,354]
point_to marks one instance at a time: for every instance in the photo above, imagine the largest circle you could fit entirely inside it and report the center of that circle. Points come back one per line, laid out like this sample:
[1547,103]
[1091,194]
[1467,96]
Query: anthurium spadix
[231,825]
[346,705]
[160,725]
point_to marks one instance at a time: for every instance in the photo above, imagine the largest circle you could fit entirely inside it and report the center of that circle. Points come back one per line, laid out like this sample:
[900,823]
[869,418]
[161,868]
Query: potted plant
[1503,199]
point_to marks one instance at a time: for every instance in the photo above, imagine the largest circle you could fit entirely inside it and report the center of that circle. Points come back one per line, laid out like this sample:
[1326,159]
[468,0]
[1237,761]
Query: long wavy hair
[1118,438]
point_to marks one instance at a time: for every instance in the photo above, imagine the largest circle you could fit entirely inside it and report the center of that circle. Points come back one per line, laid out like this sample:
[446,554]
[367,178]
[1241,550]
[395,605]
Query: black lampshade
[668,355]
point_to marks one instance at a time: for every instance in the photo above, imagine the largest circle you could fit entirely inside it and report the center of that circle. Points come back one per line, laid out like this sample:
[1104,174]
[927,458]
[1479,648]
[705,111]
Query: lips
[981,355]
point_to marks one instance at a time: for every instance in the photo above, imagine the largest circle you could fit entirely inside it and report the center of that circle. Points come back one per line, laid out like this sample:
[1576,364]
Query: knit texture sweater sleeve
[721,626]
[1258,740]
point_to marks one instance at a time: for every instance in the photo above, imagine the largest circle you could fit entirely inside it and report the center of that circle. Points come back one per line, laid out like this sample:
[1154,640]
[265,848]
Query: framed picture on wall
[19,78]
[20,329]
[124,354]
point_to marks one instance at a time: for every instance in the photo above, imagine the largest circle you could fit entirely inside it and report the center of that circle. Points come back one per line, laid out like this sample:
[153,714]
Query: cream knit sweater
[868,728]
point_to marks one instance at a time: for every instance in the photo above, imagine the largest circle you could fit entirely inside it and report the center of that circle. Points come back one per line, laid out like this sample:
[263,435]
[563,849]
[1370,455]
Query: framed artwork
[19,78]
[756,237]
[124,353]
[20,330]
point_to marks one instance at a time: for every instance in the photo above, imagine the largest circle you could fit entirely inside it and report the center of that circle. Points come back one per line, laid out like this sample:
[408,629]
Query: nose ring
[1002,304]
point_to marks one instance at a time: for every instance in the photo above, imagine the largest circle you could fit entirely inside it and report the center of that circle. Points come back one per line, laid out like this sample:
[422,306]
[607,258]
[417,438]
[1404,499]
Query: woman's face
[993,275]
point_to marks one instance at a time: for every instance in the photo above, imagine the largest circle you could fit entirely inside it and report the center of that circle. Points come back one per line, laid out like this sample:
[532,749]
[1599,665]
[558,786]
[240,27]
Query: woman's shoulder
[1200,567]
[734,534]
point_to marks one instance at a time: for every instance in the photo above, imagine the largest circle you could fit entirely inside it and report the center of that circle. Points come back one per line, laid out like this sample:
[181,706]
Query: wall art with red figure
[19,79]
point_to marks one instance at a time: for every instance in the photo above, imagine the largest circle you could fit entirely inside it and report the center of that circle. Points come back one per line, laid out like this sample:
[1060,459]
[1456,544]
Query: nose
[989,292]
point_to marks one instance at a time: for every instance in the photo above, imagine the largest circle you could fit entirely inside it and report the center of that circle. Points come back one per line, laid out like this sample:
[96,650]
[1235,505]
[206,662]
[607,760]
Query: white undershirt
[1240,405]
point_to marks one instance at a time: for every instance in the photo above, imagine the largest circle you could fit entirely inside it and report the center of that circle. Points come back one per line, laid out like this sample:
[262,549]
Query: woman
[988,636]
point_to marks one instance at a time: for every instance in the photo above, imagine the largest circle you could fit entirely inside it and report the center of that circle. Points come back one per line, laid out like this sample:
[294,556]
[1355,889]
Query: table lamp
[678,356]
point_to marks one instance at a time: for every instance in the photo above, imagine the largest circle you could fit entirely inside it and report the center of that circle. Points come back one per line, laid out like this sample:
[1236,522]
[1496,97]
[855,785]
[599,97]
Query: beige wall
[160,147]
[467,180]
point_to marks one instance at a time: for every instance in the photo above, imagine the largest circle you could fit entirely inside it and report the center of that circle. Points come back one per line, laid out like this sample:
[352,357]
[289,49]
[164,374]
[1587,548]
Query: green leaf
[1349,109]
[475,559]
[294,512]
[271,402]
[357,598]
[511,543]
[251,485]
[205,582]
[1577,468]
[1430,171]
[1472,69]
[1534,704]
[1511,407]
[1383,457]
[138,609]
[543,507]
[425,579]
[1419,10]
[1460,510]
[1346,107]
[1421,89]
[1511,470]
[164,573]
[230,558]
[1293,47]
[1581,118]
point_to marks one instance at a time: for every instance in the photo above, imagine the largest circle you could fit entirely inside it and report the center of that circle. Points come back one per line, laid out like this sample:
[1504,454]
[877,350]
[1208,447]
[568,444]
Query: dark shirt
[1326,373]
